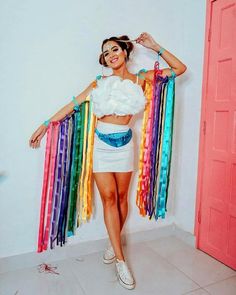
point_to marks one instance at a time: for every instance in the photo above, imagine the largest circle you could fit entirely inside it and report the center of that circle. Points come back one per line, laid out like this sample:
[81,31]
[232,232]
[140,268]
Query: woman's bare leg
[122,182]
[106,185]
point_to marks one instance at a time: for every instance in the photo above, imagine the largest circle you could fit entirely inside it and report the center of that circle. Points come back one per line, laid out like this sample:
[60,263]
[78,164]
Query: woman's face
[113,54]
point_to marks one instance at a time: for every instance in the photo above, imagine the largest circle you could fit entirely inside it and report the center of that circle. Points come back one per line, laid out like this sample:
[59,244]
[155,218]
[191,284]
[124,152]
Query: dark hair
[128,46]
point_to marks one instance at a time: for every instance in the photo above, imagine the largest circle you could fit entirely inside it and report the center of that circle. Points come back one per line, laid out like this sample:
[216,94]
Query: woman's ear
[125,54]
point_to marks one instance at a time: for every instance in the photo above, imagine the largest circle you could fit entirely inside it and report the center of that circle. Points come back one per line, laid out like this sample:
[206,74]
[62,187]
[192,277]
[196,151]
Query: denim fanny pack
[117,139]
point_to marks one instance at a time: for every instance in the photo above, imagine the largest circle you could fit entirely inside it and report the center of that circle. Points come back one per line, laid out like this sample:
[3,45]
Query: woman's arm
[36,137]
[177,66]
[69,108]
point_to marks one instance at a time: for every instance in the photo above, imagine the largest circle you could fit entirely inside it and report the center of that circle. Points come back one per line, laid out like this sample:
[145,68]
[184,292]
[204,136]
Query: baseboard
[27,260]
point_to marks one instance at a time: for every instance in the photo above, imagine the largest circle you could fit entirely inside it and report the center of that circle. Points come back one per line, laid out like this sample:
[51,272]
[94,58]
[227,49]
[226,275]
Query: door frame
[201,148]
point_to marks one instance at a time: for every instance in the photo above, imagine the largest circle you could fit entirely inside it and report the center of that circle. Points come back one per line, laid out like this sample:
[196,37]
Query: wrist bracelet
[139,73]
[76,107]
[173,74]
[46,123]
[160,51]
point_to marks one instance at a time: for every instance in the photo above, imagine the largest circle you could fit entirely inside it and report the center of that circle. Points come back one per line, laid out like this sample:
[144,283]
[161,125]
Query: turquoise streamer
[166,149]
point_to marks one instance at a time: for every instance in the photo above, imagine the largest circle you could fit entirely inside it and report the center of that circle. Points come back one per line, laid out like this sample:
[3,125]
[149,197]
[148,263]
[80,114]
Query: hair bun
[129,45]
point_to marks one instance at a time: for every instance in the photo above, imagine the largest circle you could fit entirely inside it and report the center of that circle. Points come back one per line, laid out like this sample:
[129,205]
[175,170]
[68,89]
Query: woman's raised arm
[177,66]
[36,137]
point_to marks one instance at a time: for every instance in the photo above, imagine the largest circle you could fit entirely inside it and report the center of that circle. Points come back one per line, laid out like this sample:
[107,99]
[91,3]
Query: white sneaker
[124,275]
[109,255]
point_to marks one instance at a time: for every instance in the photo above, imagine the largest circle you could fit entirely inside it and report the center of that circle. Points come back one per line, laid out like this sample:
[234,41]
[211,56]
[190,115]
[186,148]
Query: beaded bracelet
[173,74]
[140,75]
[46,123]
[76,107]
[160,51]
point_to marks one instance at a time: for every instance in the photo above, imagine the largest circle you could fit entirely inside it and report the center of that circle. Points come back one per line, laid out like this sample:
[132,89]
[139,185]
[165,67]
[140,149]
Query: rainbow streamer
[156,146]
[67,196]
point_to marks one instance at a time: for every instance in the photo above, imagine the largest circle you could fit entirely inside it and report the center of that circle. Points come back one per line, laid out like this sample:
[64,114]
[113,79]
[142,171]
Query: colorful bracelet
[76,107]
[173,74]
[160,51]
[46,123]
[139,73]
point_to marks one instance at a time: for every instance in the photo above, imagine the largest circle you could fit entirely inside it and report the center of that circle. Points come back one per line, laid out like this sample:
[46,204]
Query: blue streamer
[166,150]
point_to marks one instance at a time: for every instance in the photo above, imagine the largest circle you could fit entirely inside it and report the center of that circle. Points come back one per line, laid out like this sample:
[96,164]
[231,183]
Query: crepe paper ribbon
[143,175]
[69,163]
[84,201]
[52,177]
[66,162]
[57,185]
[48,179]
[155,147]
[166,150]
[67,184]
[47,268]
[45,187]
[156,139]
[75,169]
[89,163]
[158,157]
[61,196]
[81,195]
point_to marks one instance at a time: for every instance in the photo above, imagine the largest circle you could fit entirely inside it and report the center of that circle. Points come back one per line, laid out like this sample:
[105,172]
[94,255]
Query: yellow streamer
[81,188]
[139,196]
[84,200]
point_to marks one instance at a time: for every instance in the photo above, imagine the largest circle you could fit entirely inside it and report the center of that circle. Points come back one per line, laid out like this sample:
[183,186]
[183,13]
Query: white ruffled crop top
[116,96]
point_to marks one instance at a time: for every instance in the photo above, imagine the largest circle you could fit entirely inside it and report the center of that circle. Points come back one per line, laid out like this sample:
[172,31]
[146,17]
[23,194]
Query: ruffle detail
[116,96]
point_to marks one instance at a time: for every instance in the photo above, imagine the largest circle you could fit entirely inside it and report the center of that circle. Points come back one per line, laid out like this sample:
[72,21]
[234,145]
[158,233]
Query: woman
[115,100]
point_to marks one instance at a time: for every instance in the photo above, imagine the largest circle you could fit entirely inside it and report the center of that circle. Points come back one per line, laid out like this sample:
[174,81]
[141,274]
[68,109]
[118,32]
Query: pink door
[215,226]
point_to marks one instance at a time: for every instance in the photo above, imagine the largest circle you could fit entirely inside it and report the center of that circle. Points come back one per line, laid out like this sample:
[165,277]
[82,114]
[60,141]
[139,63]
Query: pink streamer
[55,134]
[45,187]
[49,165]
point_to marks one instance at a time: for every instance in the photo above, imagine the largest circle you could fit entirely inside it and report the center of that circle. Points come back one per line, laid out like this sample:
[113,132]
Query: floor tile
[225,287]
[30,282]
[152,273]
[199,291]
[167,246]
[197,265]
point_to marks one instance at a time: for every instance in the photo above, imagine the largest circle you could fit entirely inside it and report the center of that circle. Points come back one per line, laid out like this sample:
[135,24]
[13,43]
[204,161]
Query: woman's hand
[35,139]
[177,66]
[147,40]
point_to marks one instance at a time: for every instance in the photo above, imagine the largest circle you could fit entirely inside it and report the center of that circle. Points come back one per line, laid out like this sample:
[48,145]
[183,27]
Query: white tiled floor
[166,266]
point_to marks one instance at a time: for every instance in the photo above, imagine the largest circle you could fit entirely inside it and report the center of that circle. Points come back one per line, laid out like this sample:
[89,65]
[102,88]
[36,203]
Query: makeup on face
[111,48]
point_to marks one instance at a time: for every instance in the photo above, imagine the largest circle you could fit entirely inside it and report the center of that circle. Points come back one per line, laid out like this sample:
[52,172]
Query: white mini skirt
[107,158]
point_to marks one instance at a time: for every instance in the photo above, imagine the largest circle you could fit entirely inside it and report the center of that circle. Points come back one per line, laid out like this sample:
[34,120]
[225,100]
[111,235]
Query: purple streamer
[64,189]
[156,136]
[58,188]
[67,186]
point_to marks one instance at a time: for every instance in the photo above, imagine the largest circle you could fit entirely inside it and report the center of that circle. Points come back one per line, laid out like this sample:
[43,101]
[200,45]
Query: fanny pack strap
[115,139]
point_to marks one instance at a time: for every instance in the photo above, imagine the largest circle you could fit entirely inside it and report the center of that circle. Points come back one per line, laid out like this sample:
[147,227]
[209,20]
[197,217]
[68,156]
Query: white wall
[49,52]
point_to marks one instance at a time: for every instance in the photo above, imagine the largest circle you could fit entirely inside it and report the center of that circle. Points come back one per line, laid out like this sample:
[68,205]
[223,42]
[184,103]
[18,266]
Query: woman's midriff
[113,119]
